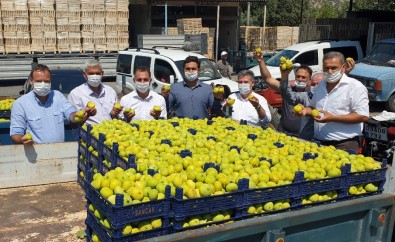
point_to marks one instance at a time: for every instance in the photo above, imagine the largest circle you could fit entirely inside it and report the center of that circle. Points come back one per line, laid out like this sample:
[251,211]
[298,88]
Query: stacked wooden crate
[123,24]
[68,33]
[251,36]
[42,26]
[188,24]
[87,26]
[15,21]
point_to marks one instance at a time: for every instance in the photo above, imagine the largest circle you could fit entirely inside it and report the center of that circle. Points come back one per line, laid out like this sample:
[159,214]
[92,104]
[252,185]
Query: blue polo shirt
[187,102]
[44,121]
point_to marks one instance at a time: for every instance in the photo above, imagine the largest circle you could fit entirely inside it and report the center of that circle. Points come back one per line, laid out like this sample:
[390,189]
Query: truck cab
[377,73]
[166,66]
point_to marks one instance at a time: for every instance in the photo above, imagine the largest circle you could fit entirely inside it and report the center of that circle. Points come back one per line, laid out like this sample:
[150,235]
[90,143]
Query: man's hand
[90,111]
[284,72]
[258,55]
[129,115]
[254,101]
[350,64]
[27,140]
[155,113]
[324,117]
[300,110]
[165,91]
[116,111]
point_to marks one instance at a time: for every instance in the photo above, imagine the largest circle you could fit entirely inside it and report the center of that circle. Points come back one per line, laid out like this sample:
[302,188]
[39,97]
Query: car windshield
[382,54]
[275,60]
[207,70]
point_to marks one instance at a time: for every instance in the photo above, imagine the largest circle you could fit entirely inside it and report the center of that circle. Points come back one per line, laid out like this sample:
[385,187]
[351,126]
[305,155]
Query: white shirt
[243,109]
[104,102]
[143,107]
[348,96]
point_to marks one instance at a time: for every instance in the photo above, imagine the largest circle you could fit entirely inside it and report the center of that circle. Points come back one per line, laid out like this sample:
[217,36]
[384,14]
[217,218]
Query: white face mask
[42,89]
[300,85]
[244,88]
[94,80]
[312,89]
[332,78]
[191,76]
[142,87]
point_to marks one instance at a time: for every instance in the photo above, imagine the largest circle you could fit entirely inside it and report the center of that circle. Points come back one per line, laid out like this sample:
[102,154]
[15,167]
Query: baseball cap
[224,53]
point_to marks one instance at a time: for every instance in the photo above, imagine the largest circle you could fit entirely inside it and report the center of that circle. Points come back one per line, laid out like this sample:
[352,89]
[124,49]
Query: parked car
[308,53]
[166,65]
[63,80]
[377,73]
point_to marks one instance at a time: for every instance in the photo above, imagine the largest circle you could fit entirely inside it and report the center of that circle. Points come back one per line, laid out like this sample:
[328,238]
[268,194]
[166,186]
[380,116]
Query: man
[315,79]
[343,105]
[248,105]
[190,98]
[289,122]
[223,65]
[103,96]
[143,100]
[41,112]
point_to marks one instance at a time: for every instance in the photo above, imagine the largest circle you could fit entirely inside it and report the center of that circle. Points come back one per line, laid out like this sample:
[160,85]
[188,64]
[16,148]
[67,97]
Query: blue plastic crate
[119,215]
[322,185]
[177,224]
[356,178]
[270,194]
[82,150]
[105,235]
[246,215]
[5,113]
[182,208]
[85,135]
[301,206]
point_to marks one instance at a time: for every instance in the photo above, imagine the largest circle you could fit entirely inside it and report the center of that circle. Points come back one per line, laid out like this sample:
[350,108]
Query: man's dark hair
[192,59]
[306,68]
[39,67]
[141,69]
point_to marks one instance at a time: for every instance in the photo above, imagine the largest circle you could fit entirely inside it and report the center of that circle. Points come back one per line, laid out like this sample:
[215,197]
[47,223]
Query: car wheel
[391,103]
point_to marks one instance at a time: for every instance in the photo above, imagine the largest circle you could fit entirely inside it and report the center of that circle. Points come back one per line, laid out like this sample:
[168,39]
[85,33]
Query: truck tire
[390,104]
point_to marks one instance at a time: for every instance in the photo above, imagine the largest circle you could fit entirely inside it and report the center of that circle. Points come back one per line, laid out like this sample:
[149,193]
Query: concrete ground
[43,213]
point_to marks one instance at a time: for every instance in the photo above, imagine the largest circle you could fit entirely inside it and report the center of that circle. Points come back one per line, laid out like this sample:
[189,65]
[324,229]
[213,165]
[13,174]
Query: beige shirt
[224,69]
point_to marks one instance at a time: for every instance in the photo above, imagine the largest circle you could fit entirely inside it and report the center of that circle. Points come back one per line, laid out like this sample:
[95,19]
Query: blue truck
[377,72]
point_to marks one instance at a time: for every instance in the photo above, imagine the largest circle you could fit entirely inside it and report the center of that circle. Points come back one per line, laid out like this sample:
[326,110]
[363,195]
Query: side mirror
[171,79]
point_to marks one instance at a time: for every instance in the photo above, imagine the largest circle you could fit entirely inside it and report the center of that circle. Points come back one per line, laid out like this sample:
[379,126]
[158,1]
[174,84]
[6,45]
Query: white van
[166,66]
[310,54]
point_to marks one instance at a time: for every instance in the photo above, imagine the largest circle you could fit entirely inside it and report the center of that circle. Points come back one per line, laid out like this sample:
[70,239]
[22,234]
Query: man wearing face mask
[343,105]
[247,104]
[103,96]
[40,112]
[190,98]
[142,100]
[291,95]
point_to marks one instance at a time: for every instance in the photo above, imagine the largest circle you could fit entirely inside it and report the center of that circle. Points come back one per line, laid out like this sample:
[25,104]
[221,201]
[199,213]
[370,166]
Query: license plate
[379,133]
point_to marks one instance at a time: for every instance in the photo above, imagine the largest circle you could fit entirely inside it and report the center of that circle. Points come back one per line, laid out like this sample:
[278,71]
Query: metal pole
[166,18]
[264,26]
[350,6]
[248,13]
[217,34]
[301,12]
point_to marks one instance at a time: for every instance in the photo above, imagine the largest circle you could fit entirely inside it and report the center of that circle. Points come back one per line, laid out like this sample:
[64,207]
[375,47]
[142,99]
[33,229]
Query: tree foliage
[288,12]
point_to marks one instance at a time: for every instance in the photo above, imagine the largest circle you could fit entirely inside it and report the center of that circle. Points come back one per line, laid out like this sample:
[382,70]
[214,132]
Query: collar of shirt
[92,93]
[49,97]
[149,97]
[198,84]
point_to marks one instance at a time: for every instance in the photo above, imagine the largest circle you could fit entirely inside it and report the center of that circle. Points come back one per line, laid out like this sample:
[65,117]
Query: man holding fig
[142,103]
[38,116]
[246,104]
[101,98]
[342,103]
